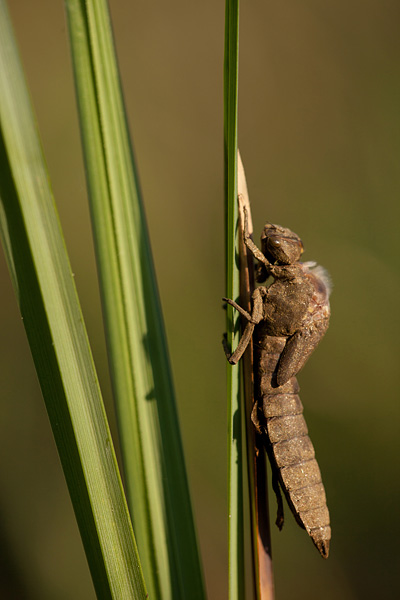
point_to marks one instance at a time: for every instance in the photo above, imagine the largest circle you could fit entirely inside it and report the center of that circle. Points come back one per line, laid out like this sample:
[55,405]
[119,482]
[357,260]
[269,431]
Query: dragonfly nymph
[288,320]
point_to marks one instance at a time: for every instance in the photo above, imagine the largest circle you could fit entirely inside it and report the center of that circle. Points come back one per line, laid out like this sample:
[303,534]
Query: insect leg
[280,517]
[238,308]
[279,511]
[256,252]
[253,319]
[234,358]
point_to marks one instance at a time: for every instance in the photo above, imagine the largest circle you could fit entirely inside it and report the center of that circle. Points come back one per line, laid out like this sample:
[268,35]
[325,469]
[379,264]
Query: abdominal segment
[291,452]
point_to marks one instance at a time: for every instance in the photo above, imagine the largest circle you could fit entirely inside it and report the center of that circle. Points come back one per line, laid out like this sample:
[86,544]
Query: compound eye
[273,242]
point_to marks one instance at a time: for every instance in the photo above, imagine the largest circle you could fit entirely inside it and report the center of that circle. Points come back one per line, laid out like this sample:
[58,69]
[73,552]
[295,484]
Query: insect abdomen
[290,449]
[294,456]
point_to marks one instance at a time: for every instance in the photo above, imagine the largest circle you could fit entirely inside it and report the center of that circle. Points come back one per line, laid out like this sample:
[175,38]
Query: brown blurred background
[319,117]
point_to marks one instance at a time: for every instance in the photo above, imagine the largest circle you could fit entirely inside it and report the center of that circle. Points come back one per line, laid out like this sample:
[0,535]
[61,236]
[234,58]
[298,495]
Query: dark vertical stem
[262,574]
[264,557]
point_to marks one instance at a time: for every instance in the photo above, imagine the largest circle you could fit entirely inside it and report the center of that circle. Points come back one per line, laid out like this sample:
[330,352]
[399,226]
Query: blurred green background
[319,133]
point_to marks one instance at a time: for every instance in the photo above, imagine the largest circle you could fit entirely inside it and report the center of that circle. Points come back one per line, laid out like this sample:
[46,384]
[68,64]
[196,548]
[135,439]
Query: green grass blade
[156,481]
[47,297]
[235,441]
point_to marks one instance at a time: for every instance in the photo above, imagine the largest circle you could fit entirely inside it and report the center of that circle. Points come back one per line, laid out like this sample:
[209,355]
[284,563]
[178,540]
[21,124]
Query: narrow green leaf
[44,285]
[235,410]
[154,467]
